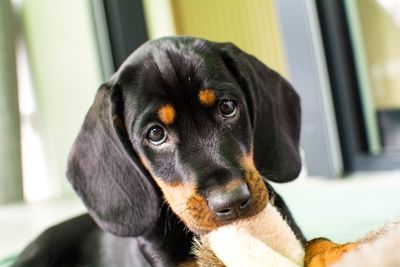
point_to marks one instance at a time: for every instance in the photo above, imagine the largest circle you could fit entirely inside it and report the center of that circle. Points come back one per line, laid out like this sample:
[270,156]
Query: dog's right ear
[106,172]
[274,108]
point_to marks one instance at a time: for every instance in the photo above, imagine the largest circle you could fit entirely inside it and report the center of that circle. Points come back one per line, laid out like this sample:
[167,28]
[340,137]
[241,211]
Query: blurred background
[342,57]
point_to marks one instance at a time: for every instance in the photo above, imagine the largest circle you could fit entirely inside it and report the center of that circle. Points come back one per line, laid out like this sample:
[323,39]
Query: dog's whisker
[183,211]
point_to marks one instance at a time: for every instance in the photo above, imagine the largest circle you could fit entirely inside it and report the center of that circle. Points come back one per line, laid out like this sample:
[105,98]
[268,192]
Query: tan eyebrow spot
[207,97]
[167,114]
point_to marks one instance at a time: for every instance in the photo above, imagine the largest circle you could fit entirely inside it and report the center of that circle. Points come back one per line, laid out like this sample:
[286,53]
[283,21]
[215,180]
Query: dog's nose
[230,205]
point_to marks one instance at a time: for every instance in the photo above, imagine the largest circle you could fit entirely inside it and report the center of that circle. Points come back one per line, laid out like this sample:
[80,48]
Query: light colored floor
[343,209]
[20,223]
[340,209]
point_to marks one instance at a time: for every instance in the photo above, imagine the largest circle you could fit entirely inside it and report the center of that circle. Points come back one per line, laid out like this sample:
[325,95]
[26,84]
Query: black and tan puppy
[182,139]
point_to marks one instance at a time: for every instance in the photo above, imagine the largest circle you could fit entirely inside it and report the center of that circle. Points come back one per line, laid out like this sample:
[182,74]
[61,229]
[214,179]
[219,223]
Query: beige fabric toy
[245,243]
[379,248]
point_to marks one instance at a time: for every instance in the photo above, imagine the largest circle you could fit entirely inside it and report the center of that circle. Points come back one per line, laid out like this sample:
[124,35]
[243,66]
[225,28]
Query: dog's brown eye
[227,108]
[156,135]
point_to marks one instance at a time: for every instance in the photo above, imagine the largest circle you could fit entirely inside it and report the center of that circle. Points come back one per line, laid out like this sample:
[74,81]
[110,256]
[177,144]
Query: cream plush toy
[245,243]
[266,240]
[379,248]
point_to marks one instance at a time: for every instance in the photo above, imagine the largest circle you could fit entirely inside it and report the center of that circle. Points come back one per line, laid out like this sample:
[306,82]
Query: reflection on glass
[375,32]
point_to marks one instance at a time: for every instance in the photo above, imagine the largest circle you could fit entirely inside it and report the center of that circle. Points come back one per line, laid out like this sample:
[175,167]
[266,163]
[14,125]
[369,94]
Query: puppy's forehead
[185,74]
[166,76]
[177,64]
[178,73]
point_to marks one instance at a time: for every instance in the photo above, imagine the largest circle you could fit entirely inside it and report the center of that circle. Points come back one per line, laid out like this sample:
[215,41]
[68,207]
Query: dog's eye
[227,108]
[156,135]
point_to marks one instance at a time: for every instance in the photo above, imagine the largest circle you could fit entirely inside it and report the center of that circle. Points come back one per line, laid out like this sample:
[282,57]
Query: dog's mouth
[201,216]
[194,209]
[201,219]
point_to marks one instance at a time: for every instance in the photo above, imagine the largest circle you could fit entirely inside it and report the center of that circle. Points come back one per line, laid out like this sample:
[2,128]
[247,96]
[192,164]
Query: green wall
[250,24]
[10,150]
[66,73]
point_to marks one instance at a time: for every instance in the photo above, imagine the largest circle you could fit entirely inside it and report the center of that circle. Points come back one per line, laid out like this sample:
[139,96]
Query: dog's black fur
[113,167]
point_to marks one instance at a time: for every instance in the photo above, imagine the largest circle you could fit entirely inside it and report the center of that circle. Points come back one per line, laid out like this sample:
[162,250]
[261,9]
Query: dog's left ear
[106,172]
[275,114]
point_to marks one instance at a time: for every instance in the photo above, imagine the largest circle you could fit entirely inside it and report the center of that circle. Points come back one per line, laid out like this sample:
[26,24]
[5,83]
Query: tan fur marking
[144,162]
[258,191]
[167,114]
[207,97]
[201,214]
[322,252]
[189,263]
[190,207]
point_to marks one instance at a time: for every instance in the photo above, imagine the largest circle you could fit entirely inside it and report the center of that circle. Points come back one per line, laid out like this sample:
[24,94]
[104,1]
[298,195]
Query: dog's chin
[200,229]
[200,220]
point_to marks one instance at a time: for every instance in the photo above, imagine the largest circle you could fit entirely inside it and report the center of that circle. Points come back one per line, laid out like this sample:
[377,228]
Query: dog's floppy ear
[274,109]
[106,172]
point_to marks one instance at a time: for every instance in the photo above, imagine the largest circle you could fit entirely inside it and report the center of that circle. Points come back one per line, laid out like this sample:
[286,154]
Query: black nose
[229,205]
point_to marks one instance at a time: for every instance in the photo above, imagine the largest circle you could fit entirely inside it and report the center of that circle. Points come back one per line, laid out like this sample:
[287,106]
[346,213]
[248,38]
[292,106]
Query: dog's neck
[169,242]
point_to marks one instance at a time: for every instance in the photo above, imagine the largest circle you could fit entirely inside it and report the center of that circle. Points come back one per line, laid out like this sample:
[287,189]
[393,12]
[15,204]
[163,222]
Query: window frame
[345,91]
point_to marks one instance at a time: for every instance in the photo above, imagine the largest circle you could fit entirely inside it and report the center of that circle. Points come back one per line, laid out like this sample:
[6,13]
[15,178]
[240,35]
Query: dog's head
[195,123]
